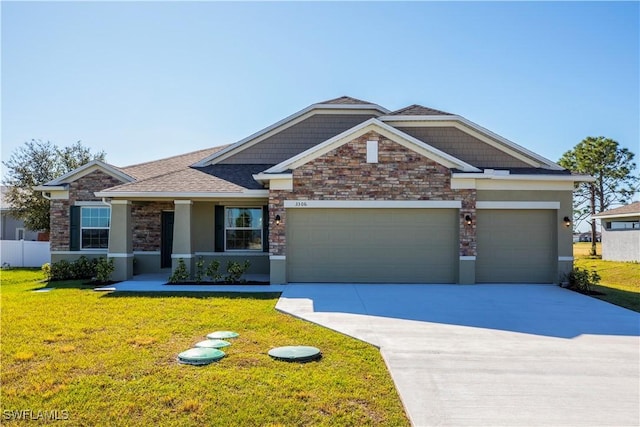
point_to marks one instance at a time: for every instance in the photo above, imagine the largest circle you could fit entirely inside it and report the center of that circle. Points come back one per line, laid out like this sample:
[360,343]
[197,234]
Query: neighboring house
[621,233]
[341,191]
[12,228]
[586,236]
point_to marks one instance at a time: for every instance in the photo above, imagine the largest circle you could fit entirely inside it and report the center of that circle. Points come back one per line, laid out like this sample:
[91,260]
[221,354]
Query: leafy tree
[611,166]
[35,163]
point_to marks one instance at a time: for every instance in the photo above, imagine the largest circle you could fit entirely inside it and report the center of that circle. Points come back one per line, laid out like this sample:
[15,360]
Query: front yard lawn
[620,281]
[110,359]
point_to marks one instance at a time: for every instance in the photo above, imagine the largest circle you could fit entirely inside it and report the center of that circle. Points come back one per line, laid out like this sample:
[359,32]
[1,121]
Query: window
[94,226]
[623,225]
[243,229]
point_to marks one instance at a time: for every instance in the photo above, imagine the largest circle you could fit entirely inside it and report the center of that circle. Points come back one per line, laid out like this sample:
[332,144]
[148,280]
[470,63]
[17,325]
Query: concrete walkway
[491,355]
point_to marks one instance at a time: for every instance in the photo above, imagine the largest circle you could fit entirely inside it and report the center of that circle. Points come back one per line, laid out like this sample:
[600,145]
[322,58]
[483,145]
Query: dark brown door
[166,240]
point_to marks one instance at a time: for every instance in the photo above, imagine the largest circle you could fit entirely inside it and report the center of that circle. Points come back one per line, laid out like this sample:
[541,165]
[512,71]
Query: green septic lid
[222,335]
[213,344]
[200,356]
[295,353]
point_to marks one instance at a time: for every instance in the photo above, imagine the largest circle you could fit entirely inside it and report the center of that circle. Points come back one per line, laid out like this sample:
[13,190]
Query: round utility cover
[295,353]
[222,335]
[200,356]
[213,344]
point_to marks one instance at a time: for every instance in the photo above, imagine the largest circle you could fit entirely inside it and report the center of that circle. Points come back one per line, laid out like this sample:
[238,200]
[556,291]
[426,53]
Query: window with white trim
[243,229]
[633,224]
[94,227]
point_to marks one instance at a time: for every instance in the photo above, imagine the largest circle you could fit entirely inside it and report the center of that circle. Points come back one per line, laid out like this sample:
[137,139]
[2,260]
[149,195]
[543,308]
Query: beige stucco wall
[203,227]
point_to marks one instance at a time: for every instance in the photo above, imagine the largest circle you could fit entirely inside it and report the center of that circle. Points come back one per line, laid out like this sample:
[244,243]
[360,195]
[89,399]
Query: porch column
[182,234]
[120,240]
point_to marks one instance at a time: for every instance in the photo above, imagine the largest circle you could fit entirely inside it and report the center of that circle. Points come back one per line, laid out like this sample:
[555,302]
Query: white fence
[21,253]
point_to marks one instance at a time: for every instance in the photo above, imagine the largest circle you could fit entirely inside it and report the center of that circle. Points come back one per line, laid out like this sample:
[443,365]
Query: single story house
[341,191]
[621,233]
[12,228]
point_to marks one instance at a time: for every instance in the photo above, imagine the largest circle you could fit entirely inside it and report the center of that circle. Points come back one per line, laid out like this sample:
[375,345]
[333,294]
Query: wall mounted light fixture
[277,219]
[468,219]
[567,221]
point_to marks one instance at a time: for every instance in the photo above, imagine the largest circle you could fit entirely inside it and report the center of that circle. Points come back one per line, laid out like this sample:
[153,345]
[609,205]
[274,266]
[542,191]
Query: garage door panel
[372,245]
[515,246]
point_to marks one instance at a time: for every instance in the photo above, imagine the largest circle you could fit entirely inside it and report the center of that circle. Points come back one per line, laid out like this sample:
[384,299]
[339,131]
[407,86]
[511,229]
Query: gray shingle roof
[170,164]
[419,110]
[346,100]
[187,180]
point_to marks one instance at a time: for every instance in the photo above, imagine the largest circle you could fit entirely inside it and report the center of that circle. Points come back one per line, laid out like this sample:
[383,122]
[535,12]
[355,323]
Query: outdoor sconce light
[567,221]
[468,219]
[277,219]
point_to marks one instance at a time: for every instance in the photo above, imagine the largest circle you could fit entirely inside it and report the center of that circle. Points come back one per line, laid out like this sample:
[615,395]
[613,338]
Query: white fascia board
[179,195]
[563,178]
[50,188]
[383,129]
[517,205]
[626,215]
[284,124]
[88,168]
[269,176]
[473,129]
[277,181]
[373,204]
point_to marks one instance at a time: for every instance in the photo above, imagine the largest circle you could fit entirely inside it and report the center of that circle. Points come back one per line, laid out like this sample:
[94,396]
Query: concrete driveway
[490,355]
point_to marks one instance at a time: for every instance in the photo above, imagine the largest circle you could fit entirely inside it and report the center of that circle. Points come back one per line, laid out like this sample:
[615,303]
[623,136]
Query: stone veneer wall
[344,174]
[146,218]
[82,189]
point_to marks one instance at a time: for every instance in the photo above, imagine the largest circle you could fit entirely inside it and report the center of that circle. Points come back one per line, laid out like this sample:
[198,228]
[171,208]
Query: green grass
[620,281]
[110,359]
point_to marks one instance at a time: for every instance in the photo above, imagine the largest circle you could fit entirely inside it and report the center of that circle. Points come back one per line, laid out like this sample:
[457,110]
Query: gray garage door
[372,245]
[516,246]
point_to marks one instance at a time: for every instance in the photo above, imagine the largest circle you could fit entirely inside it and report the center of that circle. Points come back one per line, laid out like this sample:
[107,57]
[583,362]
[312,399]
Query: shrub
[235,270]
[180,274]
[83,268]
[581,280]
[46,270]
[212,270]
[199,274]
[104,269]
[62,270]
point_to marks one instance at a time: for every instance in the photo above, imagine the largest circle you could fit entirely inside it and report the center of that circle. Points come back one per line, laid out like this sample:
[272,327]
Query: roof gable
[486,136]
[385,130]
[342,105]
[88,168]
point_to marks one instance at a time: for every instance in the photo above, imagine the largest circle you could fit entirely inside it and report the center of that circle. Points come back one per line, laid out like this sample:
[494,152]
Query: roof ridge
[346,100]
[420,108]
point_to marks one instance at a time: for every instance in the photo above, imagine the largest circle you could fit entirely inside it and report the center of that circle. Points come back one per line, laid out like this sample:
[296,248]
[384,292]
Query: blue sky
[146,80]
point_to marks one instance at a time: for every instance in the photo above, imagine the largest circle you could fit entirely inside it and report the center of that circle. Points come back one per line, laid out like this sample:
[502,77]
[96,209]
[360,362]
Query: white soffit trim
[91,203]
[383,129]
[475,130]
[88,168]
[523,177]
[626,215]
[517,205]
[178,195]
[285,123]
[373,204]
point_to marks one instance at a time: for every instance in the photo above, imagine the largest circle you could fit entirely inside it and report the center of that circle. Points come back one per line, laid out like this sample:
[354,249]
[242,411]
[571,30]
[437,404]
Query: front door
[166,240]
